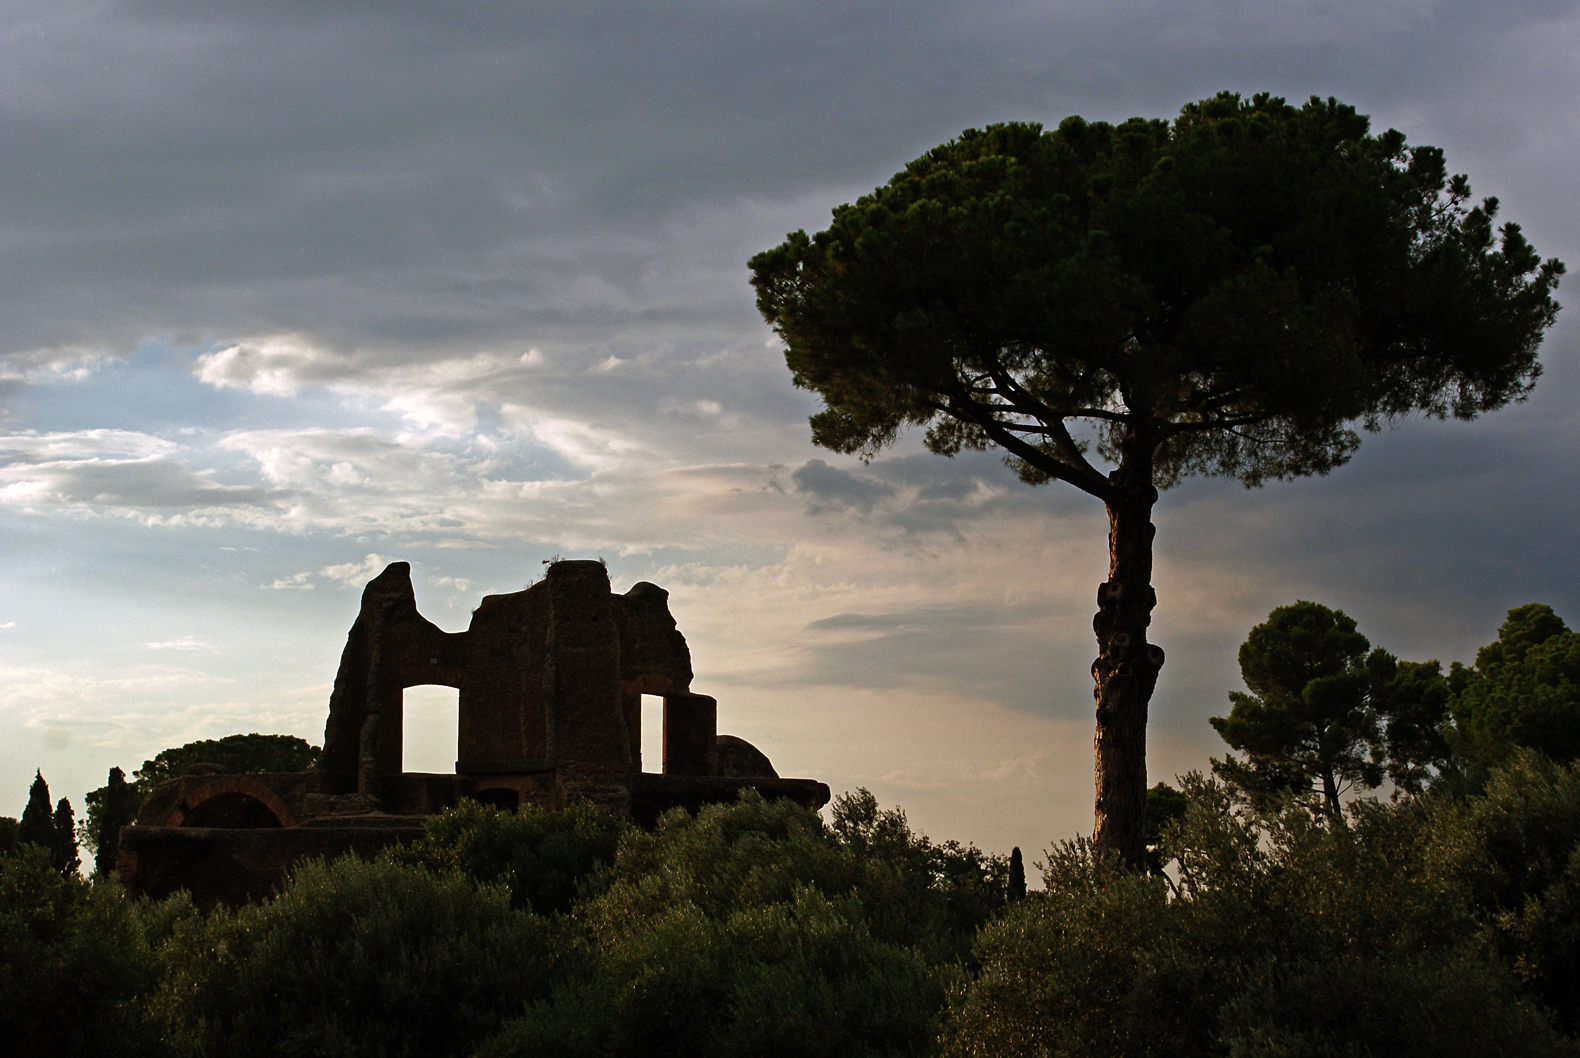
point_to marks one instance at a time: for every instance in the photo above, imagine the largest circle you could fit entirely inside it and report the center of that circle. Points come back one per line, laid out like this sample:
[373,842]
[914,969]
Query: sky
[290,290]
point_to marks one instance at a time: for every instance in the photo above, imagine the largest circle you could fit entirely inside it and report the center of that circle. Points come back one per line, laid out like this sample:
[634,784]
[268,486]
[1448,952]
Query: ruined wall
[390,647]
[549,684]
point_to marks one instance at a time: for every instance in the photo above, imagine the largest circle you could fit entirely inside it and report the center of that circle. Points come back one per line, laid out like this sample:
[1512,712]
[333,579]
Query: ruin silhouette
[550,683]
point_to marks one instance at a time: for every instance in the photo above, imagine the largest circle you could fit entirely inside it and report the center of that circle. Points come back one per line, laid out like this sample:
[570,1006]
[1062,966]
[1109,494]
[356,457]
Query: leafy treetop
[1228,291]
[238,753]
[1523,691]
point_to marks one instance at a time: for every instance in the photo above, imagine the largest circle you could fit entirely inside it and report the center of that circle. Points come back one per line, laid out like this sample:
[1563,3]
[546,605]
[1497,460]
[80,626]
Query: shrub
[746,929]
[74,967]
[1430,927]
[545,859]
[356,958]
[1512,857]
[801,977]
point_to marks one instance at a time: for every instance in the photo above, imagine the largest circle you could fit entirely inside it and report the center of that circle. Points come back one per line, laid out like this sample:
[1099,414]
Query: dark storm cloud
[425,177]
[833,489]
[860,621]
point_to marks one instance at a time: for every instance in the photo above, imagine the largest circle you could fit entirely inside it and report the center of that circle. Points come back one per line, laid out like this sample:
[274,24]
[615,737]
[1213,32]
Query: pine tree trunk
[1330,796]
[1126,669]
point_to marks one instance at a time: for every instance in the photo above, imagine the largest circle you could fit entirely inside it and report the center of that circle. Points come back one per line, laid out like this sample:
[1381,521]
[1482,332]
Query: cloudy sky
[290,290]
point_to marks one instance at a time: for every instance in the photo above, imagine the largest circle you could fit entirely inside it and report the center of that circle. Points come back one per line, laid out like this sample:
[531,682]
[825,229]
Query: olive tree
[1117,307]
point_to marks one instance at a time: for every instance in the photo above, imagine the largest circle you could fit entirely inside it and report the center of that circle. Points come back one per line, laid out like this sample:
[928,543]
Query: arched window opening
[430,721]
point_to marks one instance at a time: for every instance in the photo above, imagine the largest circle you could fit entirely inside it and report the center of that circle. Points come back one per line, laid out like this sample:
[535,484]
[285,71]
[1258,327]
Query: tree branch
[1174,429]
[1069,451]
[1079,474]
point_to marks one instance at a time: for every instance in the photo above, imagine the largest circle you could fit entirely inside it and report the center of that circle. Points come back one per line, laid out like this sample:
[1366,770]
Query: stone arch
[232,801]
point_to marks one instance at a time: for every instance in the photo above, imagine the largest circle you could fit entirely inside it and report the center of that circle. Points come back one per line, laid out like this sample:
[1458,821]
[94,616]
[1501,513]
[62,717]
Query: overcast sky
[290,290]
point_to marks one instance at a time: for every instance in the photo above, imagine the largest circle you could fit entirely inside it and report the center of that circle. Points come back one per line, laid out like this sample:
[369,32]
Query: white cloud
[182,643]
[156,490]
[32,446]
[65,363]
[295,582]
[272,366]
[355,574]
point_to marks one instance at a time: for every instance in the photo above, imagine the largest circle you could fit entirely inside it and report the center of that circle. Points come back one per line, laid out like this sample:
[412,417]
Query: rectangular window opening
[431,717]
[652,741]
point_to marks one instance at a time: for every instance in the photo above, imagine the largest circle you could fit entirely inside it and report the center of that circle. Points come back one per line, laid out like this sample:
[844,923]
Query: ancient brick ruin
[550,683]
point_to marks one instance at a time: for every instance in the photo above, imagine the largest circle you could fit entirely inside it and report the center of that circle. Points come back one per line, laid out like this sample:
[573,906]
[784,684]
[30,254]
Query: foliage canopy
[1523,691]
[1237,285]
[238,753]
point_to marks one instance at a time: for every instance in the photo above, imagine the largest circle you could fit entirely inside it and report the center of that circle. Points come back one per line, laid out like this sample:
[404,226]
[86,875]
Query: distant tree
[1165,805]
[1411,701]
[63,850]
[38,824]
[238,753]
[1120,307]
[1017,875]
[1523,691]
[109,808]
[1325,712]
[1308,721]
[9,825]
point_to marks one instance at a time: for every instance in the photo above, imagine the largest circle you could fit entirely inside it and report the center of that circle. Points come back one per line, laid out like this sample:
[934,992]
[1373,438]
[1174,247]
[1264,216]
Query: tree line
[1326,712]
[1441,920]
[1438,924]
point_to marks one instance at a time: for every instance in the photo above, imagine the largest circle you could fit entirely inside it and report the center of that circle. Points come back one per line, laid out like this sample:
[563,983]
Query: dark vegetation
[1442,920]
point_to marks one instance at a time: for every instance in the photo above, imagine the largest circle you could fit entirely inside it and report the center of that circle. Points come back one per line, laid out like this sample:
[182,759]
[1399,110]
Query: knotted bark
[1126,669]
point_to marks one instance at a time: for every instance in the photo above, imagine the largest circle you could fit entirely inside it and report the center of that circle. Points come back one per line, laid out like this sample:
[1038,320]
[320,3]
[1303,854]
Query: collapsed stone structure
[550,683]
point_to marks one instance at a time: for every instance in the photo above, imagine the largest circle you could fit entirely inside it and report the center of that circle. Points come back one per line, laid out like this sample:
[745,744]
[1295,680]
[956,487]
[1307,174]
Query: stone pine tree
[1117,307]
[1309,722]
[1523,691]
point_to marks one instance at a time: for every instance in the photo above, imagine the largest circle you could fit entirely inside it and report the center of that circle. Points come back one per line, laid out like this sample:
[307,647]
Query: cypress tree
[37,825]
[1017,875]
[109,809]
[63,852]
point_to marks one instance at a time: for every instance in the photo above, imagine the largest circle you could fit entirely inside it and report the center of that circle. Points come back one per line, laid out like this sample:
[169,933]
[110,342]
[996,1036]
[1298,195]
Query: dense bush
[1447,924]
[798,977]
[1511,857]
[356,958]
[546,859]
[742,930]
[1440,927]
[74,967]
[914,891]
